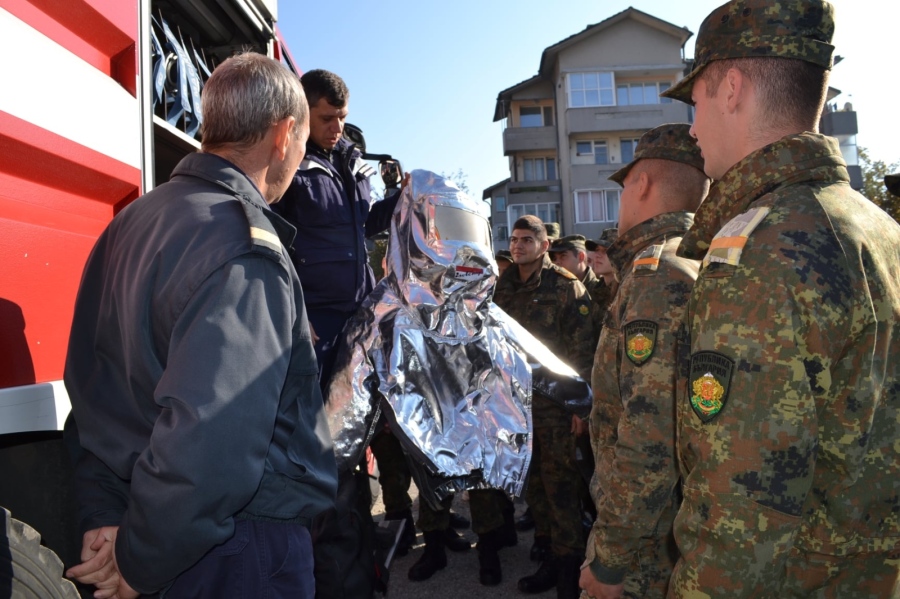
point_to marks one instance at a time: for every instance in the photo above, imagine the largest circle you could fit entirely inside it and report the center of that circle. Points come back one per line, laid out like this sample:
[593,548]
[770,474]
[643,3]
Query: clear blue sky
[424,75]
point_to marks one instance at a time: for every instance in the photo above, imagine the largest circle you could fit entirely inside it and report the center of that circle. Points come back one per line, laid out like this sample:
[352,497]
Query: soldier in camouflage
[553,231]
[789,400]
[570,252]
[553,305]
[598,259]
[631,549]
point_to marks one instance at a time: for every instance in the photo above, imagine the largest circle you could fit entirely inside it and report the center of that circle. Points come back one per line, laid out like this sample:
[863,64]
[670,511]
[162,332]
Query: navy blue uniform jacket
[192,376]
[329,201]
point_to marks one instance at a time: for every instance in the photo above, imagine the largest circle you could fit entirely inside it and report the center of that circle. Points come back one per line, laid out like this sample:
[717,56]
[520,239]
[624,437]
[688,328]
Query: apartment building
[577,121]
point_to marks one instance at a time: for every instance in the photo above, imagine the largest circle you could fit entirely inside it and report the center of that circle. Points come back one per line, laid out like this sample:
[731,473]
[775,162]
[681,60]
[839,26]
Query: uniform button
[302,260]
[350,254]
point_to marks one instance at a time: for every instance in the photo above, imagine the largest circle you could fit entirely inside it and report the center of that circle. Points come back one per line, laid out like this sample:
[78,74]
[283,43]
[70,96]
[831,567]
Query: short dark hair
[320,83]
[791,91]
[682,187]
[529,222]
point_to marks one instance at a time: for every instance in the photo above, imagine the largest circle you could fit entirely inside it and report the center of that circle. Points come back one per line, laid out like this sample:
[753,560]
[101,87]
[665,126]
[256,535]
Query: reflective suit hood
[448,367]
[439,261]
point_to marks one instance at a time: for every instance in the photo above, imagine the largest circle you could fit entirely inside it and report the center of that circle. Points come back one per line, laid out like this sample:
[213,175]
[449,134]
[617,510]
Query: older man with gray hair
[201,449]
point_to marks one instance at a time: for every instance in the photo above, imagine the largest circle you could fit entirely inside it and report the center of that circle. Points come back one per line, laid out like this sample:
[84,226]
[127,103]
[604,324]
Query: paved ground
[460,577]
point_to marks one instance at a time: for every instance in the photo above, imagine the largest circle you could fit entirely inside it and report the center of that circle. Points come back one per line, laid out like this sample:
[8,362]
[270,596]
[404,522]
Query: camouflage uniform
[789,430]
[601,296]
[789,404]
[393,473]
[632,423]
[554,306]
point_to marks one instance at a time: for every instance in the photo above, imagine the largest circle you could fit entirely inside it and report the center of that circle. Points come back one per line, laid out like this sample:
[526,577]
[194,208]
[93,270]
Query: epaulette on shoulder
[728,244]
[361,167]
[647,261]
[563,272]
[310,165]
[263,236]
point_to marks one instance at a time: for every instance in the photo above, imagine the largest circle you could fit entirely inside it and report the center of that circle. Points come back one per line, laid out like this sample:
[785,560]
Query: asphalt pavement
[460,578]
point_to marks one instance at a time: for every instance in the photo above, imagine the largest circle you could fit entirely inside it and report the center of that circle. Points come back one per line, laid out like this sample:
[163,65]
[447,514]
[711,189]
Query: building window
[591,89]
[502,233]
[548,116]
[530,116]
[535,116]
[500,204]
[538,169]
[628,147]
[597,206]
[549,213]
[597,149]
[634,94]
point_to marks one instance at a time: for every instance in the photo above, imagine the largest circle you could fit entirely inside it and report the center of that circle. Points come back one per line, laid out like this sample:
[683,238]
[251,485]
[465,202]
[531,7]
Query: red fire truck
[99,100]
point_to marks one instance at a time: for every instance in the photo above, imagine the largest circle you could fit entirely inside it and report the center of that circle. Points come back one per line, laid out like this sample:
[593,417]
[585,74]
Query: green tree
[873,173]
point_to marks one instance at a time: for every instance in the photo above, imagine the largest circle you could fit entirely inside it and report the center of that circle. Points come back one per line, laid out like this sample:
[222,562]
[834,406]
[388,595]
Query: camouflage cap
[607,238]
[503,255]
[892,182]
[553,230]
[569,242]
[667,142]
[800,29]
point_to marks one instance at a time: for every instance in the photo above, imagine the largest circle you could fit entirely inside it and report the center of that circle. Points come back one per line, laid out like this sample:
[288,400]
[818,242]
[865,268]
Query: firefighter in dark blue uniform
[199,437]
[329,201]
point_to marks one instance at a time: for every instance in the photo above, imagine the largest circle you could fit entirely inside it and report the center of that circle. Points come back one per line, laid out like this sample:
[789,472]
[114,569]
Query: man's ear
[643,184]
[282,134]
[734,87]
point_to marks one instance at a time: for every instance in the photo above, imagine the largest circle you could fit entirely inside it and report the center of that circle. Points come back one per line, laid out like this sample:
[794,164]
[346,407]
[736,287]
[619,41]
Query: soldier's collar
[622,252]
[802,157]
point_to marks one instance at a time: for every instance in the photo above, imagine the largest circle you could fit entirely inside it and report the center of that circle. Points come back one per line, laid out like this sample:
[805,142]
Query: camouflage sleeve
[764,325]
[600,299]
[576,331]
[634,390]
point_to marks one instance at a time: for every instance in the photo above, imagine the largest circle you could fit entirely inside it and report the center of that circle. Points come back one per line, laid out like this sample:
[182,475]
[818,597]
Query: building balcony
[534,192]
[625,118]
[523,139]
[839,124]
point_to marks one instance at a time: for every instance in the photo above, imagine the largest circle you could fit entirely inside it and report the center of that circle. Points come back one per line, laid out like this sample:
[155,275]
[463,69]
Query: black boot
[508,536]
[540,550]
[408,536]
[455,541]
[543,580]
[569,571]
[459,522]
[432,560]
[489,571]
[525,521]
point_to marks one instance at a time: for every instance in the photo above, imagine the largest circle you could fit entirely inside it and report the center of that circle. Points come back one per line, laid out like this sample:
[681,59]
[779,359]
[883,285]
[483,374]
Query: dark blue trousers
[263,560]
